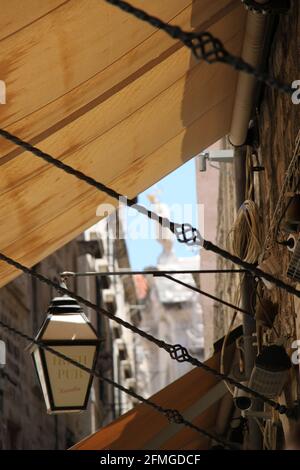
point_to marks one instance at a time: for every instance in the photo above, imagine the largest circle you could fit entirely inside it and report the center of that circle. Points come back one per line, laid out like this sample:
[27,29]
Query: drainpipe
[254,39]
[246,85]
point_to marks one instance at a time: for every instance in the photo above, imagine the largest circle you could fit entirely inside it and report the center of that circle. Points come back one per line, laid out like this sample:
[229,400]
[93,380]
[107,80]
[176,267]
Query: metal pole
[249,325]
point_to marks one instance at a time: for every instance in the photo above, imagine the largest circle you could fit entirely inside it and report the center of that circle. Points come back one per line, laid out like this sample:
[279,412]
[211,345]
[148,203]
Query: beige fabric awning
[108,95]
[199,397]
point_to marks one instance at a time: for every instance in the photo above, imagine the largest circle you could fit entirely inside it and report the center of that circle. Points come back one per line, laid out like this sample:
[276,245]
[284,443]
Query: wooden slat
[18,14]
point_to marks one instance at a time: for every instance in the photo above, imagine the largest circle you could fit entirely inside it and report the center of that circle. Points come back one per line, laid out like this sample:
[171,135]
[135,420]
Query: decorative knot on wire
[186,233]
[205,47]
[174,416]
[179,353]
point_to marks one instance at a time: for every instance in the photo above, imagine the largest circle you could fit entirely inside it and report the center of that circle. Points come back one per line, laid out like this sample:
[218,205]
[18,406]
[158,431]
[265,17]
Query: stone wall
[279,123]
[216,196]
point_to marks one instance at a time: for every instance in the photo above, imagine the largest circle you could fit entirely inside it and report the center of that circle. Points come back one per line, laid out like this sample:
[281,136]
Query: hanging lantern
[65,387]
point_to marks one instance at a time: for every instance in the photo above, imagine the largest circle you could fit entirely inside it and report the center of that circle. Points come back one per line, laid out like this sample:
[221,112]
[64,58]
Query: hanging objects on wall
[66,329]
[291,222]
[271,371]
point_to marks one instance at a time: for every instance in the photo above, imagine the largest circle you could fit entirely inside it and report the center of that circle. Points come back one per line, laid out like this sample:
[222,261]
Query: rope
[173,415]
[91,181]
[203,45]
[176,351]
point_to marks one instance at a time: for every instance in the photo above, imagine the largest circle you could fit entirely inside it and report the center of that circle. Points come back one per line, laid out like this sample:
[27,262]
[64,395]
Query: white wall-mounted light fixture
[66,329]
[221,156]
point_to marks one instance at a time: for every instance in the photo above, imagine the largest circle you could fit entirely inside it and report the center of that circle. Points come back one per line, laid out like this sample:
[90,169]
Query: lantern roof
[66,321]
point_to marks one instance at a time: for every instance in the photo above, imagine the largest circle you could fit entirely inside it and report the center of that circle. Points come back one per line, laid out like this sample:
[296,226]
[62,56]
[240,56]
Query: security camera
[241,399]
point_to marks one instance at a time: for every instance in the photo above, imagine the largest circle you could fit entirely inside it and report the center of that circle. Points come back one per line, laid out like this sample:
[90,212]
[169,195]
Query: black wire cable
[185,233]
[203,45]
[173,415]
[176,351]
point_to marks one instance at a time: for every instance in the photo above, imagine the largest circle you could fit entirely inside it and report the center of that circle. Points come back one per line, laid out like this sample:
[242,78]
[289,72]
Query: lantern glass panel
[40,371]
[69,384]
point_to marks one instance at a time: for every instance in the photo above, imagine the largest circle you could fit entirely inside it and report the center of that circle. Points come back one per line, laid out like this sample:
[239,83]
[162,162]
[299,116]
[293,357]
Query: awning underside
[108,95]
[197,396]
